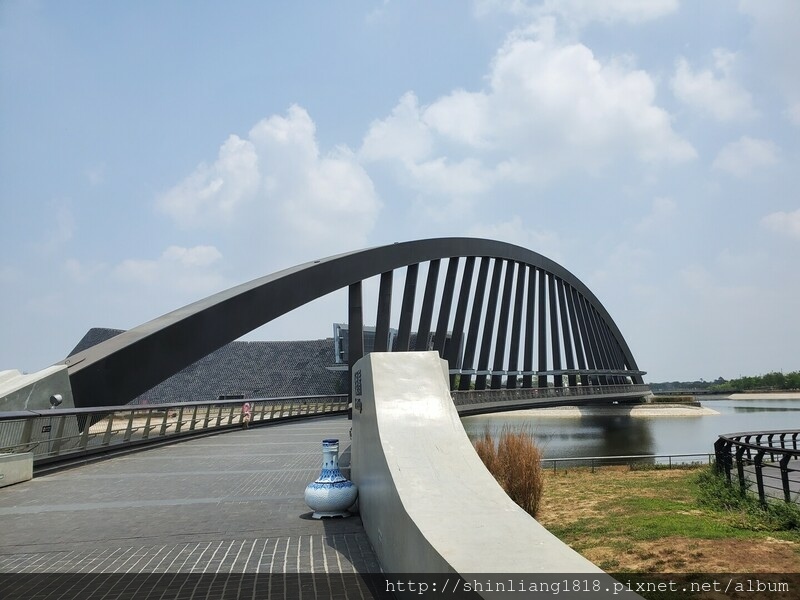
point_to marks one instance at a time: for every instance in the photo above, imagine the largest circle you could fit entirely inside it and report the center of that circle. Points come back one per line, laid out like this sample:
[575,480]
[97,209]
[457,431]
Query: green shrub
[714,492]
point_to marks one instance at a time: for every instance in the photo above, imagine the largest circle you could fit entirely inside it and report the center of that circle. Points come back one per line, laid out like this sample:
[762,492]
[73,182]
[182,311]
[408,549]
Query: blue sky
[153,153]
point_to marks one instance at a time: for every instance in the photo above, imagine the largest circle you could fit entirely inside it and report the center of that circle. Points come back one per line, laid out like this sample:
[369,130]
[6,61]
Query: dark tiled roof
[93,337]
[255,369]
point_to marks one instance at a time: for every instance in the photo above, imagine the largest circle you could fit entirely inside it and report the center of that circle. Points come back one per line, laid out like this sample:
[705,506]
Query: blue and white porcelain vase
[332,493]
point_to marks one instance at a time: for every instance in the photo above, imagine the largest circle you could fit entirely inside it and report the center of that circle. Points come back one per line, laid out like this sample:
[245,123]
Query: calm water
[619,435]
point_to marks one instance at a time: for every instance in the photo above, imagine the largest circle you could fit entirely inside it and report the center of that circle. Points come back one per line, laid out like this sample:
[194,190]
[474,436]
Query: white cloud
[137,271]
[783,223]
[550,108]
[661,213]
[793,113]
[515,231]
[742,157]
[61,229]
[713,92]
[401,135]
[95,175]
[581,12]
[774,37]
[620,257]
[82,272]
[213,193]
[276,184]
[186,270]
[199,256]
[610,11]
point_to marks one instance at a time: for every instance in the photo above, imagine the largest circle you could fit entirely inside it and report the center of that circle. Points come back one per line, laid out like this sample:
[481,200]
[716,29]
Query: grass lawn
[651,521]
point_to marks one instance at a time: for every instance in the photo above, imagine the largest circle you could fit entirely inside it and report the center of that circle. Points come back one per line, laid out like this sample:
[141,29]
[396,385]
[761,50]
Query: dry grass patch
[515,461]
[652,522]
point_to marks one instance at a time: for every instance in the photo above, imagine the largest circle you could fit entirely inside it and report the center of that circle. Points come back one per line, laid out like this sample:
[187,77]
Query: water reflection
[753,409]
[588,435]
[622,434]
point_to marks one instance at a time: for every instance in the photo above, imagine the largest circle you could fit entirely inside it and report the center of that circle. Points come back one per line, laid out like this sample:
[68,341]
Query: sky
[154,153]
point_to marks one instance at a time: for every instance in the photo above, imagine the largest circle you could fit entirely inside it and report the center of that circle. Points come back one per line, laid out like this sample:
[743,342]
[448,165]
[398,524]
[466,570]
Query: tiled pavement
[227,504]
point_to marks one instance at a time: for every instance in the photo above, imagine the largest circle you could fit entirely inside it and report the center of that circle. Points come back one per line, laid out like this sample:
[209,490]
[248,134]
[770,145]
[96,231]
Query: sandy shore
[639,410]
[766,396]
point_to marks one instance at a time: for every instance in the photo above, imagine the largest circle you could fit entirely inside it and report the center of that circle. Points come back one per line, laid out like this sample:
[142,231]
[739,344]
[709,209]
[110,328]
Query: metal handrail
[748,456]
[735,438]
[557,392]
[629,459]
[70,433]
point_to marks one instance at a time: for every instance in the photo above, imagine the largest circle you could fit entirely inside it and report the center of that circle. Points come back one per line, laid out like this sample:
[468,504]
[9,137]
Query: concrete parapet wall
[32,391]
[15,468]
[427,502]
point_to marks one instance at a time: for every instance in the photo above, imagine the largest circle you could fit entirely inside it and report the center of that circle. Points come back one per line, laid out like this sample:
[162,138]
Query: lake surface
[614,435]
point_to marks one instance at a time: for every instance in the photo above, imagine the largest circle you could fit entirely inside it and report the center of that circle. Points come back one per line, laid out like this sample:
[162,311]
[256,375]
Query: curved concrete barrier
[427,502]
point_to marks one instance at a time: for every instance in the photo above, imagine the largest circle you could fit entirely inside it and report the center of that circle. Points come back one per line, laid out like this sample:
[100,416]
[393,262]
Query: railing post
[163,431]
[719,452]
[27,431]
[230,414]
[146,433]
[784,464]
[740,468]
[84,442]
[107,436]
[55,447]
[760,476]
[179,423]
[194,419]
[129,428]
[726,459]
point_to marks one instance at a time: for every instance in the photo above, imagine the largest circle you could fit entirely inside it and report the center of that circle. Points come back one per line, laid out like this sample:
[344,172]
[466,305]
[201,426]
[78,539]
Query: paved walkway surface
[773,483]
[214,506]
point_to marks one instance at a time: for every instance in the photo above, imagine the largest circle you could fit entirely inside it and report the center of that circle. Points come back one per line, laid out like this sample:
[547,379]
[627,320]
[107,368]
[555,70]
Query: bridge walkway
[221,504]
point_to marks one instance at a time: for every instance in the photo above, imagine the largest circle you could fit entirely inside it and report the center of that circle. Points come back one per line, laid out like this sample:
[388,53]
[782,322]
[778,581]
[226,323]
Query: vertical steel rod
[384,313]
[454,351]
[474,324]
[426,316]
[516,327]
[488,323]
[440,338]
[407,308]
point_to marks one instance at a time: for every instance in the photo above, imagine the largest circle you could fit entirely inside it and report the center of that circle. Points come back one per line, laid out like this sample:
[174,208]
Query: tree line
[771,381]
[775,380]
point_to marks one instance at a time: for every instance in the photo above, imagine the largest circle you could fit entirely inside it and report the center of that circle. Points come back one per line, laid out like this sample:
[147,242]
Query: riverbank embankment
[764,396]
[636,410]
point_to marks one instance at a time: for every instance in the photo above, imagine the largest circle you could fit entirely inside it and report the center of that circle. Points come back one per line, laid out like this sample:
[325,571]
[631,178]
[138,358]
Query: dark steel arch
[121,368]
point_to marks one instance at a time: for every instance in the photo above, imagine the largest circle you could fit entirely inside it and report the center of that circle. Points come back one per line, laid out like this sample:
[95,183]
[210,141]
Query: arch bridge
[506,319]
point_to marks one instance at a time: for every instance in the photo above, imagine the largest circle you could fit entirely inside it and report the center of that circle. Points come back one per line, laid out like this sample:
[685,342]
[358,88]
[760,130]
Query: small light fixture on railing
[56,400]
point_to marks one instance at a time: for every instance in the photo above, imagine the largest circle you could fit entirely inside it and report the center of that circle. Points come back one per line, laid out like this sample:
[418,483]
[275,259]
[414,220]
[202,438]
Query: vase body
[332,493]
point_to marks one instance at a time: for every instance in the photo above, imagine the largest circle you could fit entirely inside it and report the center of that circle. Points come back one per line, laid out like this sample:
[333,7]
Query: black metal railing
[633,461]
[764,459]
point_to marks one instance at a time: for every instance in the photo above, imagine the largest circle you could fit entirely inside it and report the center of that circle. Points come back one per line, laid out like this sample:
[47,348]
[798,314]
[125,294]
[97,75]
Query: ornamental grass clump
[515,461]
